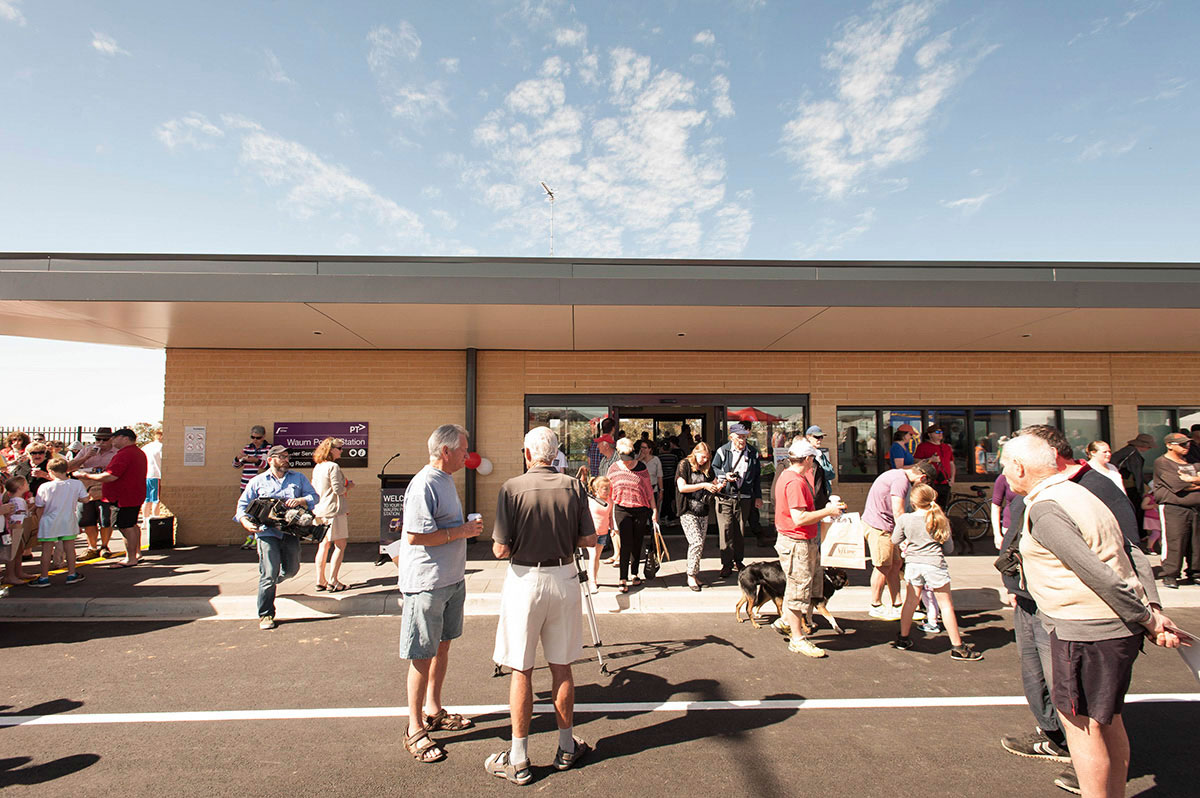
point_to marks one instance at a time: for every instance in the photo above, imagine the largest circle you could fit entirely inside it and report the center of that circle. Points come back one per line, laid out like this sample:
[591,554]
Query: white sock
[519,751]
[566,739]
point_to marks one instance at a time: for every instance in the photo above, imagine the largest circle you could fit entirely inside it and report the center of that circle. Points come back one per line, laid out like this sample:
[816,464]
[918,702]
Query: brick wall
[405,394]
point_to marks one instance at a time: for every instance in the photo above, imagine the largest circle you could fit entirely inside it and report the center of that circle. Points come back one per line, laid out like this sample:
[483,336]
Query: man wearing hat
[124,490]
[736,463]
[798,519]
[821,475]
[1131,463]
[606,447]
[1179,494]
[278,554]
[93,459]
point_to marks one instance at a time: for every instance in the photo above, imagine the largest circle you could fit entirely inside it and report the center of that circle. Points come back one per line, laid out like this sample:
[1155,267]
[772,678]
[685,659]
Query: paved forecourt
[694,702]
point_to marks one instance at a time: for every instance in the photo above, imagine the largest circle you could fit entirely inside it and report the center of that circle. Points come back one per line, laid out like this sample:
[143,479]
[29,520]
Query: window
[574,427]
[975,435]
[1157,422]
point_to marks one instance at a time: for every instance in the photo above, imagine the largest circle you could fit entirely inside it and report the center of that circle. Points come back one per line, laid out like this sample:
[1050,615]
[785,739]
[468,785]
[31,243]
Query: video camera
[275,513]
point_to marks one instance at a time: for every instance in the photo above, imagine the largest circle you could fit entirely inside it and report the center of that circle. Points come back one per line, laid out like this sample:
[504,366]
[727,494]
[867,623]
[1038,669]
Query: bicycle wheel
[973,517]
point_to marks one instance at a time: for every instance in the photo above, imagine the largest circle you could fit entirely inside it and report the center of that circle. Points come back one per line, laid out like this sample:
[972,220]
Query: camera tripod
[591,613]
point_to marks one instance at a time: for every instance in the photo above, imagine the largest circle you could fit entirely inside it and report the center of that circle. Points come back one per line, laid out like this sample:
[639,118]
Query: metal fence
[64,434]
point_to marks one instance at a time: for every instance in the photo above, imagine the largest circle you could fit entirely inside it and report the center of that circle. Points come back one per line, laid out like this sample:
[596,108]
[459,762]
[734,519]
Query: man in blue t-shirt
[433,565]
[278,554]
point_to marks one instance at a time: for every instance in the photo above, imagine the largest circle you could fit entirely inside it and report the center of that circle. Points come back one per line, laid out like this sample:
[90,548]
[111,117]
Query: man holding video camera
[542,517]
[738,476]
[278,553]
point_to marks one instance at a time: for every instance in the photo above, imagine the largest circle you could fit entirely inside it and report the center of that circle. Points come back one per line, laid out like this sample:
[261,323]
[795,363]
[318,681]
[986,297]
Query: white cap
[800,449]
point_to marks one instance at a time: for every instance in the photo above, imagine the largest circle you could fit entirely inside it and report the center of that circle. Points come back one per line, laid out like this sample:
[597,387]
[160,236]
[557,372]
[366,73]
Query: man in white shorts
[541,518]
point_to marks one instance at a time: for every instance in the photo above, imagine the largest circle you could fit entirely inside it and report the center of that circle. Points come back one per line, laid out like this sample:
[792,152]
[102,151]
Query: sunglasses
[256,437]
[818,437]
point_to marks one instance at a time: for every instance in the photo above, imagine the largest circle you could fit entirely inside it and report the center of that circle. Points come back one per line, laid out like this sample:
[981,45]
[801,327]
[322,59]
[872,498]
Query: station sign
[302,437]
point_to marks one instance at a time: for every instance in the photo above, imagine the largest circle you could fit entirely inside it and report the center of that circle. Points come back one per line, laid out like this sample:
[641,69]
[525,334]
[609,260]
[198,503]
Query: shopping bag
[844,545]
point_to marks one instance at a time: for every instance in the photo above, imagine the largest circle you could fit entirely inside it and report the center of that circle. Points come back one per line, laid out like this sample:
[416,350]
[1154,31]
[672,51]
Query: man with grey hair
[1090,599]
[542,517]
[432,579]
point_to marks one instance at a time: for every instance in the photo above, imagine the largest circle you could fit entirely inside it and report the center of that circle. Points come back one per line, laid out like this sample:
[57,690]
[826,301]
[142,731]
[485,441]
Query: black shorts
[127,517]
[1090,679]
[95,513]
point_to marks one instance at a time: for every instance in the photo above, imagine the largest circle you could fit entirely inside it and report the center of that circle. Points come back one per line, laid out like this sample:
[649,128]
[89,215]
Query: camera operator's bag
[843,545]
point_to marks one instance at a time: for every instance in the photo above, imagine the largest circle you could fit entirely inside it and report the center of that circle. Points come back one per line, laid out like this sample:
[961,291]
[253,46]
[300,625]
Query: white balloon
[485,467]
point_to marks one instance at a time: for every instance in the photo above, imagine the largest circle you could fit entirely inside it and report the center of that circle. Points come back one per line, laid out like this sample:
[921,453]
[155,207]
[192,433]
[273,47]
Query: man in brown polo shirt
[542,517]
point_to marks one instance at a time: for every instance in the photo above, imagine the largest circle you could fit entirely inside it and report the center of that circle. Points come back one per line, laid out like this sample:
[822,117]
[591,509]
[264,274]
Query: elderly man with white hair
[1090,600]
[433,566]
[542,517]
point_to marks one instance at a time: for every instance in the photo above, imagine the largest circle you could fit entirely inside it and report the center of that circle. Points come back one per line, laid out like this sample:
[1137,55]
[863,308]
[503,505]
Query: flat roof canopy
[290,302]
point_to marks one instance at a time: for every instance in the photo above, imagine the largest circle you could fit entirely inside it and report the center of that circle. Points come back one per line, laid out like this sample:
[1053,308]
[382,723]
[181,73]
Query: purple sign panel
[302,437]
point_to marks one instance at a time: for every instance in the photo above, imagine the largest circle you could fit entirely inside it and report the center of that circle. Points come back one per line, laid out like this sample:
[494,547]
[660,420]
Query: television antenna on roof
[550,194]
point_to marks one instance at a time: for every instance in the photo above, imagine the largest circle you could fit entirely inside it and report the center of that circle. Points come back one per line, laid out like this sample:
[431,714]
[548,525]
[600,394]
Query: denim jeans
[1033,649]
[278,559]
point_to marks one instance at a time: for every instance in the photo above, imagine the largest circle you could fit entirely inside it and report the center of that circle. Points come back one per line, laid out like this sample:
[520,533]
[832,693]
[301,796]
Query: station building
[1102,350]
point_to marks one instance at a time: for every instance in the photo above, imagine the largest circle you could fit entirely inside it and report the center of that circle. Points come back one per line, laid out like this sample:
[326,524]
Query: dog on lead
[764,581]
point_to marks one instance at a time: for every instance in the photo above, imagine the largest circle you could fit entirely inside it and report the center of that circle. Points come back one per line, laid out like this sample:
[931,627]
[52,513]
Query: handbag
[844,545]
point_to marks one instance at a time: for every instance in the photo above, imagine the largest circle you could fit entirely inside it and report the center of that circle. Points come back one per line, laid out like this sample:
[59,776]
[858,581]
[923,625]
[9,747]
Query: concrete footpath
[221,582]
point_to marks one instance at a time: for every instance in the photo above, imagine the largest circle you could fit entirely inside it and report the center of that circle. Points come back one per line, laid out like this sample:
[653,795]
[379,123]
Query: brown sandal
[447,721]
[424,748]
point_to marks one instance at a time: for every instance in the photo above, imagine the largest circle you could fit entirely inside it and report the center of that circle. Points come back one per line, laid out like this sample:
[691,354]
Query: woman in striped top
[634,509]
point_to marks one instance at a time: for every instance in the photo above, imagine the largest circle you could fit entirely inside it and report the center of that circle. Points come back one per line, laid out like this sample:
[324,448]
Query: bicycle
[972,512]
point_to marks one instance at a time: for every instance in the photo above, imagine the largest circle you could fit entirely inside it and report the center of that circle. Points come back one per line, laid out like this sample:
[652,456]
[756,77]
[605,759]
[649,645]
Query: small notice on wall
[193,446]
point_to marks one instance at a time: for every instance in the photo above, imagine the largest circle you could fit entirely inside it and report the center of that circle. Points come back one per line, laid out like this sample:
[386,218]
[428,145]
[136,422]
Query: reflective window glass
[1155,423]
[857,442]
[892,421]
[1027,418]
[575,427]
[1081,428]
[953,424]
[990,428]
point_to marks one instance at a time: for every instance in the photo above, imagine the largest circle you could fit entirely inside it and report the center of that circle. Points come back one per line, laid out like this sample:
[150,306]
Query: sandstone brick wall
[405,394]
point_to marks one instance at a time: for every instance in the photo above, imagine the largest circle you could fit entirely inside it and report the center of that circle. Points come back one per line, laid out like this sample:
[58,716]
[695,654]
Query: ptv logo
[357,427]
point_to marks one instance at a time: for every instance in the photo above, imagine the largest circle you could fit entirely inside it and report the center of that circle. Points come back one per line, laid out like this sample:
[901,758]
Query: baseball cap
[814,430]
[738,429]
[905,428]
[1177,438]
[606,438]
[801,449]
[277,451]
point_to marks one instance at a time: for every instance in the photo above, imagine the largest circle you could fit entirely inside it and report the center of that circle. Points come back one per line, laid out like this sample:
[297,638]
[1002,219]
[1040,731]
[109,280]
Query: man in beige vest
[1090,600]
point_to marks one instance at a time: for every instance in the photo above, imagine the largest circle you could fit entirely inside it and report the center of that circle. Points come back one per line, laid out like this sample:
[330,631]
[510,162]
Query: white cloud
[705,38]
[1172,88]
[637,167]
[192,129]
[393,56]
[832,236]
[722,105]
[571,37]
[10,10]
[968,205]
[348,241]
[1106,149]
[445,219]
[1101,24]
[344,123]
[275,72]
[106,45]
[881,108]
[431,192]
[450,65]
[977,172]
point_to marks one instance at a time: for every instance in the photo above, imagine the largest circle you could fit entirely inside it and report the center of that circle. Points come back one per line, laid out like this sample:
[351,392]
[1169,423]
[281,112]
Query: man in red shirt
[937,451]
[124,481]
[799,545]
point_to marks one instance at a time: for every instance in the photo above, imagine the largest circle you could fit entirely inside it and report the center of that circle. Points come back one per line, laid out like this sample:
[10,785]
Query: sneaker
[1035,746]
[41,581]
[74,579]
[499,766]
[805,647]
[965,653]
[878,611]
[565,761]
[1068,781]
[90,554]
[902,643]
[929,628]
[267,622]
[918,615]
[104,552]
[779,625]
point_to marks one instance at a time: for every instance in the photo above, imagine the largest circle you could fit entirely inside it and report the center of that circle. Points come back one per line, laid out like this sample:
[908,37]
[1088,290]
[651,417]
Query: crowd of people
[53,492]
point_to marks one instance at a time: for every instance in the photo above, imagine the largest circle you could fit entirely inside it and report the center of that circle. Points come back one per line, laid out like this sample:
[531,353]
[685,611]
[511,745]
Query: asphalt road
[83,668]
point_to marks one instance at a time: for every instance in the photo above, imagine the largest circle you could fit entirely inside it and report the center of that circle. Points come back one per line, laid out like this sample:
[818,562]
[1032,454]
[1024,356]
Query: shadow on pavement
[18,770]
[1167,758]
[24,634]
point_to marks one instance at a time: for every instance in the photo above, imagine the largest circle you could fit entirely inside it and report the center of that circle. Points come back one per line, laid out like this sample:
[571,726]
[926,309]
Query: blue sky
[739,129]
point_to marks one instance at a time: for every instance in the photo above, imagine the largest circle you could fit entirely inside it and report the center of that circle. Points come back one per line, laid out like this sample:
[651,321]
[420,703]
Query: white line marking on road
[632,707]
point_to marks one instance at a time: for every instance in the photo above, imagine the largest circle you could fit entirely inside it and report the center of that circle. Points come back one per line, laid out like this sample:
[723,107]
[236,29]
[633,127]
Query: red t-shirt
[793,493]
[927,449]
[129,467]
